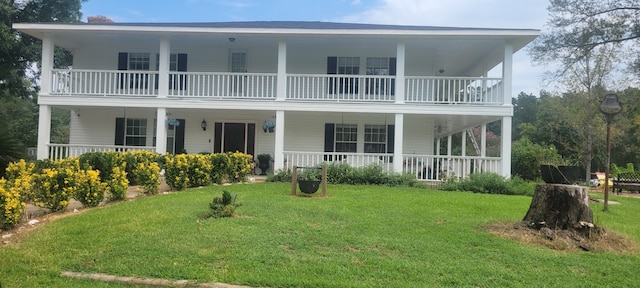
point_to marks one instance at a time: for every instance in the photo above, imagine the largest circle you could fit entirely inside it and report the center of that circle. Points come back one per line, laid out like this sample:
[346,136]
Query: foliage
[118,183]
[11,205]
[188,170]
[309,174]
[10,149]
[341,173]
[147,176]
[134,158]
[240,166]
[526,158]
[219,166]
[51,190]
[19,176]
[490,183]
[89,190]
[280,176]
[616,170]
[224,206]
[101,161]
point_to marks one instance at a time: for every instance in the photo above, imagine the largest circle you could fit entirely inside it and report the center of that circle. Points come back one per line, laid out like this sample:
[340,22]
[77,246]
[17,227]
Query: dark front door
[232,137]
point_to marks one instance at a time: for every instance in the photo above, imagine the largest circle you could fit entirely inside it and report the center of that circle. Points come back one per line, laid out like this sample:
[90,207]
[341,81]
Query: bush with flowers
[240,166]
[177,171]
[219,165]
[11,205]
[19,176]
[89,190]
[147,176]
[118,183]
[199,170]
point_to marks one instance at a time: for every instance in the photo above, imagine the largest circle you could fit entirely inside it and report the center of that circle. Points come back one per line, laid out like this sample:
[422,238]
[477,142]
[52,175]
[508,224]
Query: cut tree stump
[560,207]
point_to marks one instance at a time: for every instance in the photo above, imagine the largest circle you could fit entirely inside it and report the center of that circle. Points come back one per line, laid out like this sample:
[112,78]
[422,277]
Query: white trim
[47,64]
[163,69]
[278,155]
[507,73]
[400,60]
[505,151]
[44,131]
[281,86]
[398,144]
[161,131]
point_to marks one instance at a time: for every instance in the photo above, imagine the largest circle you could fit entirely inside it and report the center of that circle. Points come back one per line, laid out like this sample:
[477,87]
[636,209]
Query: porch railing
[61,151]
[104,83]
[424,167]
[318,87]
[223,85]
[341,87]
[453,90]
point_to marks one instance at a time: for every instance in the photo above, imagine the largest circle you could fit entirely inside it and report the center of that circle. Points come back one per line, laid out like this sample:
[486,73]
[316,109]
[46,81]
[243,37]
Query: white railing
[223,85]
[310,159]
[61,151]
[424,167]
[454,90]
[340,87]
[432,167]
[104,83]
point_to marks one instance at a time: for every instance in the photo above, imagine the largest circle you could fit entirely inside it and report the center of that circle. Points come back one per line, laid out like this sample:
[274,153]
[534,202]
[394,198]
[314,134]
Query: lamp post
[610,106]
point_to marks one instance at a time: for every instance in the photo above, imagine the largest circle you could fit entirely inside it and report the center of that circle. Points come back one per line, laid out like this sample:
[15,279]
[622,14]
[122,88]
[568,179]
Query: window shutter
[123,64]
[392,71]
[217,139]
[251,138]
[182,67]
[332,69]
[391,129]
[179,146]
[119,137]
[329,139]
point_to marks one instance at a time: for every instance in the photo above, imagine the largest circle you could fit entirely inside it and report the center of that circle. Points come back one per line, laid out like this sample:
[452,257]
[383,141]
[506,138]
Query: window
[346,138]
[349,65]
[138,61]
[375,139]
[136,132]
[377,66]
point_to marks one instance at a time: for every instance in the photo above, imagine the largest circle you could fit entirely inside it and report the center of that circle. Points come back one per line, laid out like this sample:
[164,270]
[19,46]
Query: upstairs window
[138,61]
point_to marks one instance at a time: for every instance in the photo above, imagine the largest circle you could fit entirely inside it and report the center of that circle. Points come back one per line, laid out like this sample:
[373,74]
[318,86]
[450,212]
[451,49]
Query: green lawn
[360,236]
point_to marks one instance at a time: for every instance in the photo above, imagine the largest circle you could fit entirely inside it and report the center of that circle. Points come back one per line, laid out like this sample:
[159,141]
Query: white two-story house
[304,92]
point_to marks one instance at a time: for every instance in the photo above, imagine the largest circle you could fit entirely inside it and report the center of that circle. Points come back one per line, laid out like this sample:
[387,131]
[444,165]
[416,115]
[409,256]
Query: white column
[464,143]
[278,154]
[483,140]
[505,152]
[437,152]
[163,68]
[398,143]
[161,131]
[507,72]
[47,65]
[449,143]
[44,131]
[400,60]
[282,71]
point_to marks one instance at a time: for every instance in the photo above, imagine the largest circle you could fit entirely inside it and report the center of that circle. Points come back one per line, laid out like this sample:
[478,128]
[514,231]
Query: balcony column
[47,65]
[44,131]
[278,154]
[398,143]
[507,73]
[163,69]
[505,151]
[161,130]
[281,90]
[400,82]
[464,143]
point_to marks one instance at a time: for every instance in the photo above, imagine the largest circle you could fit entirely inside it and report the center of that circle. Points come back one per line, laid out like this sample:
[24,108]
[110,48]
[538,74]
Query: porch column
[281,89]
[449,143]
[483,140]
[278,154]
[400,60]
[47,65]
[44,132]
[507,73]
[163,70]
[505,151]
[464,143]
[398,143]
[161,131]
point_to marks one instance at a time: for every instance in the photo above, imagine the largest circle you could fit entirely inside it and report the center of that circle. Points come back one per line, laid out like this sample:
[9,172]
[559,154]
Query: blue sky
[530,14]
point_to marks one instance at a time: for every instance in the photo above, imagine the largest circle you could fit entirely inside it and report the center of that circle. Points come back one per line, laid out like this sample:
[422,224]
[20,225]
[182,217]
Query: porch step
[258,178]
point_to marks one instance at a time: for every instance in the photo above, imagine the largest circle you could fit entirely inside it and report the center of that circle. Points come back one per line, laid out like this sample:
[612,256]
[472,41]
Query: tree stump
[560,207]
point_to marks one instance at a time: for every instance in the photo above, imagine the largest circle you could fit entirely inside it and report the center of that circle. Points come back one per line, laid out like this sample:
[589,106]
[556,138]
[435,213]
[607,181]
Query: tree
[576,27]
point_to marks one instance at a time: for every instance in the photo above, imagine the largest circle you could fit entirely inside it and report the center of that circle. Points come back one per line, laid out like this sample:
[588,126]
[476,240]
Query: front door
[232,137]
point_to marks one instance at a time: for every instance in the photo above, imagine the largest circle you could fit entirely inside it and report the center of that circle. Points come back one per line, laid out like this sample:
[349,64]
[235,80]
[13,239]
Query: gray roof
[297,25]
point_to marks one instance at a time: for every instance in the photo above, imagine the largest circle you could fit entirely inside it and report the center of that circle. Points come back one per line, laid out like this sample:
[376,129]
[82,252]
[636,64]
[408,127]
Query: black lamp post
[610,106]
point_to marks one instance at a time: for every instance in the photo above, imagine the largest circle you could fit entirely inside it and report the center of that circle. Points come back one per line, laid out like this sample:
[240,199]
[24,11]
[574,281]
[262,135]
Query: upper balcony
[264,86]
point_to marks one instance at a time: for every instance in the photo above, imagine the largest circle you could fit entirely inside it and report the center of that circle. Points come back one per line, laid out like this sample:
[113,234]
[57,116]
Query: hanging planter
[309,180]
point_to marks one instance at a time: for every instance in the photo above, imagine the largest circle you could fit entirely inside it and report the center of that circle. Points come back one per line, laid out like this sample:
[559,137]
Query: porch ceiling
[459,51]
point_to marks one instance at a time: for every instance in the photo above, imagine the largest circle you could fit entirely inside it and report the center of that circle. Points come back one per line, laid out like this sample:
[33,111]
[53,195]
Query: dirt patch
[565,240]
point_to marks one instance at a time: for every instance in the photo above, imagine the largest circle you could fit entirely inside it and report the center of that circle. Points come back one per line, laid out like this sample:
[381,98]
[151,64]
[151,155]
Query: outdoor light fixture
[203,124]
[231,39]
[610,106]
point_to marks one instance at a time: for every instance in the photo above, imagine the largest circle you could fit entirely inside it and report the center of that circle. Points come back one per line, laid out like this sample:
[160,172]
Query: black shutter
[329,136]
[217,139]
[332,69]
[391,129]
[251,138]
[179,144]
[392,71]
[119,137]
[182,67]
[123,64]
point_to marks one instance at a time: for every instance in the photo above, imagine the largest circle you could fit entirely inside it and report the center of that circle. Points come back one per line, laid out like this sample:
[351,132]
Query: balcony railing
[302,87]
[61,151]
[424,167]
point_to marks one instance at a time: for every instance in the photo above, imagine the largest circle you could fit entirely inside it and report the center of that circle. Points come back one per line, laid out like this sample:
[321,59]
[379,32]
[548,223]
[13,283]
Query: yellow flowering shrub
[219,166]
[133,158]
[147,176]
[118,183]
[199,170]
[11,205]
[239,166]
[52,190]
[89,190]
[177,171]
[19,176]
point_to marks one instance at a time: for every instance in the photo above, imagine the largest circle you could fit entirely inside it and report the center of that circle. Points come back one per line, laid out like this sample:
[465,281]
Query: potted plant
[264,161]
[309,180]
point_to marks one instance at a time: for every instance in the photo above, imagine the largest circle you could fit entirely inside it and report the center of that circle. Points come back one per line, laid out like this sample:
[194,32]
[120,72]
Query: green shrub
[101,161]
[133,158]
[224,206]
[280,176]
[490,183]
[50,190]
[240,166]
[199,170]
[219,165]
[147,176]
[616,170]
[527,157]
[118,183]
[177,171]
[340,173]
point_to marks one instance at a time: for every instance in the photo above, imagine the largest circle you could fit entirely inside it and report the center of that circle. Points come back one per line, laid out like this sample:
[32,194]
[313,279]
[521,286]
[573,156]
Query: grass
[359,236]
